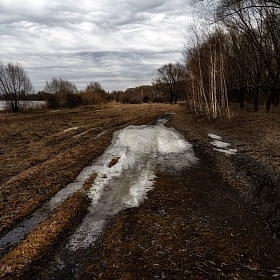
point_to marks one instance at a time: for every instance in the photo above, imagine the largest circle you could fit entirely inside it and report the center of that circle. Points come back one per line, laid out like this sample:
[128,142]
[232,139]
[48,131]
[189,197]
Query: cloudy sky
[119,43]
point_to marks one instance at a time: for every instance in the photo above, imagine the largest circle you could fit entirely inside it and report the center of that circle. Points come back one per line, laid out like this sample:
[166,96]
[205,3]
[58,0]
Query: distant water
[29,104]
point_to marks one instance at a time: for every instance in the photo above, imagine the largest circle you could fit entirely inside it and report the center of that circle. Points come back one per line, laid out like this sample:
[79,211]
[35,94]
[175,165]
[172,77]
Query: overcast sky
[119,43]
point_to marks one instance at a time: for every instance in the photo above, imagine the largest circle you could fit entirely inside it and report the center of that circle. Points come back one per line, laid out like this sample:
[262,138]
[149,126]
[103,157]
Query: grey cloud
[119,42]
[125,69]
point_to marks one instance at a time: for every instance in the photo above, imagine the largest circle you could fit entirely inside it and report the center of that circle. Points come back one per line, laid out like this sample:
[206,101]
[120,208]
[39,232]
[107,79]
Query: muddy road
[132,199]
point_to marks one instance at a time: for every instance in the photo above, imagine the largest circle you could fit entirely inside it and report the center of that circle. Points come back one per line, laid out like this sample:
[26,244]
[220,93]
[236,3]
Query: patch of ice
[86,233]
[71,188]
[71,128]
[214,136]
[142,151]
[100,134]
[226,151]
[220,144]
[161,121]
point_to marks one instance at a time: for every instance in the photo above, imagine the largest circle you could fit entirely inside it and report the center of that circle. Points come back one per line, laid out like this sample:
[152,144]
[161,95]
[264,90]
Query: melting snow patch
[71,128]
[142,151]
[125,173]
[161,121]
[214,136]
[226,151]
[221,146]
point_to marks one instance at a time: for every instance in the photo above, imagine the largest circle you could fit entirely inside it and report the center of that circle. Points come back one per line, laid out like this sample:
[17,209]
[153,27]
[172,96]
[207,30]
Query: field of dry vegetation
[217,220]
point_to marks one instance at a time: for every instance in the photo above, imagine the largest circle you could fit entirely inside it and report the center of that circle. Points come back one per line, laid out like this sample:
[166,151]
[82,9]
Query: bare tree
[60,90]
[257,22]
[170,76]
[94,86]
[227,8]
[14,81]
[205,74]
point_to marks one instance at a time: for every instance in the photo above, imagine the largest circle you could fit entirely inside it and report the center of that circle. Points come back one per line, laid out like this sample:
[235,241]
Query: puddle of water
[18,233]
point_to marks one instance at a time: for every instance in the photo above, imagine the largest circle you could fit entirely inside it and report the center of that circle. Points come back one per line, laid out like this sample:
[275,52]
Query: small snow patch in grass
[71,128]
[226,151]
[214,136]
[220,146]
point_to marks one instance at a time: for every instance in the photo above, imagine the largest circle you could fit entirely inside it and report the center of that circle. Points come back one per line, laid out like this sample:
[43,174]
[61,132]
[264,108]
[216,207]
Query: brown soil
[215,220]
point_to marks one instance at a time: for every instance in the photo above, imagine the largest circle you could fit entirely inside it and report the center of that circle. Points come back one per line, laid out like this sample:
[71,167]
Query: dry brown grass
[253,133]
[40,154]
[172,230]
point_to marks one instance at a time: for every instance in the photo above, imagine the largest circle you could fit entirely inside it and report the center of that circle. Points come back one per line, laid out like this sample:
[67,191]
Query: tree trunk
[241,97]
[255,92]
[175,98]
[270,99]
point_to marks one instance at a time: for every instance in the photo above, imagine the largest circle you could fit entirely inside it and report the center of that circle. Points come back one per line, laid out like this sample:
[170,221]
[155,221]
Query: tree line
[252,41]
[16,88]
[235,58]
